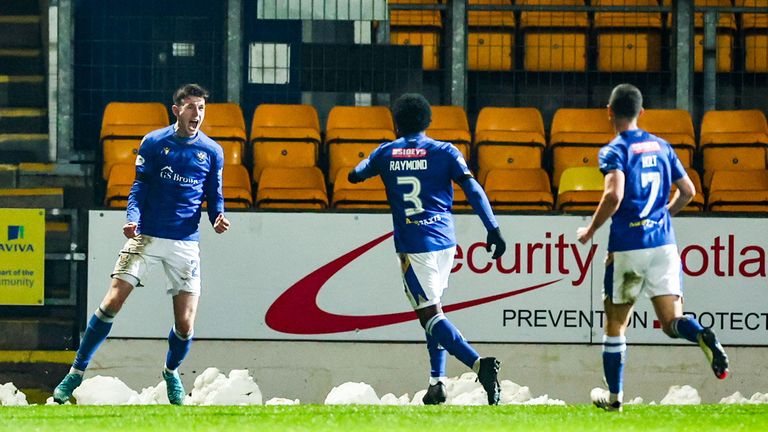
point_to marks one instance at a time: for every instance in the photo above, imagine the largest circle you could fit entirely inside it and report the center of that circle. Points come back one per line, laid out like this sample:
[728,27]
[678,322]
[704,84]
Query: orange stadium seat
[755,28]
[236,187]
[519,189]
[123,126]
[292,188]
[369,194]
[554,41]
[353,132]
[628,41]
[418,27]
[676,127]
[460,201]
[697,203]
[581,189]
[509,138]
[449,123]
[284,136]
[225,122]
[490,39]
[576,138]
[733,140]
[739,191]
[119,185]
[726,29]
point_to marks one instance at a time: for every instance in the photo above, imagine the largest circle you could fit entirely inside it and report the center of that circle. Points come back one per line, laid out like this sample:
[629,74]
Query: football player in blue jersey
[177,168]
[418,172]
[639,171]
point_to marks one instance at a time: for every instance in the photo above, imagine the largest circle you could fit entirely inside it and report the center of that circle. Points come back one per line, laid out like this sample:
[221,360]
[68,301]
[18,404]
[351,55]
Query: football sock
[96,332]
[687,328]
[178,347]
[451,339]
[437,359]
[614,354]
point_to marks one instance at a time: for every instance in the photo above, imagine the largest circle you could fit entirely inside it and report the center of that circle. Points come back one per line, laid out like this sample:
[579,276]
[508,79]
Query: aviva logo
[15,232]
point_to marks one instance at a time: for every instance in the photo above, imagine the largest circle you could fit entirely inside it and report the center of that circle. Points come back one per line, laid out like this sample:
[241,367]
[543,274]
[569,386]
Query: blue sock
[437,357]
[687,328]
[178,347]
[614,354]
[451,339]
[96,332]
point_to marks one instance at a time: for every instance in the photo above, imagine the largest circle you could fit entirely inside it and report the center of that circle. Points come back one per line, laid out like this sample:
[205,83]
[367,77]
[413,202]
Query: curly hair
[412,113]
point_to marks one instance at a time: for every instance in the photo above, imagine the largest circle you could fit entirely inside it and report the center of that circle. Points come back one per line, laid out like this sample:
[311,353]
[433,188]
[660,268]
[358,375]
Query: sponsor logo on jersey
[409,153]
[418,164]
[167,173]
[423,222]
[645,147]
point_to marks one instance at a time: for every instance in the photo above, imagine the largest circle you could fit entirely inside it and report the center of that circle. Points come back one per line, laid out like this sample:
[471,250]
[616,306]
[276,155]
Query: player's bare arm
[609,203]
[683,195]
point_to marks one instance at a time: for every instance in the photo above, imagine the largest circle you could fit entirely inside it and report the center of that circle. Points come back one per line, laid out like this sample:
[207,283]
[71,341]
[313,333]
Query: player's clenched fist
[129,229]
[221,224]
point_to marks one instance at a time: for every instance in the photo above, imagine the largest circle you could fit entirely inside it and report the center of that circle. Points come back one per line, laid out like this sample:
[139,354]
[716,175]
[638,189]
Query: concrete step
[47,175]
[35,372]
[20,31]
[20,61]
[23,91]
[15,148]
[8,175]
[32,198]
[23,120]
[32,333]
[19,7]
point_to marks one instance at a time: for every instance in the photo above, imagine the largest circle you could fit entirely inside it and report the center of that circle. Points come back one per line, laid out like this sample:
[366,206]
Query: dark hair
[626,101]
[412,113]
[188,90]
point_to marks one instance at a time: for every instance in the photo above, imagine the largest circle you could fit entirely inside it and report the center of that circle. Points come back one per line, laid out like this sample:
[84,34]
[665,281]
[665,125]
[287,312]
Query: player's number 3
[412,196]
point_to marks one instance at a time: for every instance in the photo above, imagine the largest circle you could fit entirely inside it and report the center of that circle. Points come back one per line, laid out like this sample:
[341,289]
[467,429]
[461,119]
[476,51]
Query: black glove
[352,177]
[495,239]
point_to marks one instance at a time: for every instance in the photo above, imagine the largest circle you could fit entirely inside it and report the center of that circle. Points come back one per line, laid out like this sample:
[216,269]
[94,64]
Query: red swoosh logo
[296,310]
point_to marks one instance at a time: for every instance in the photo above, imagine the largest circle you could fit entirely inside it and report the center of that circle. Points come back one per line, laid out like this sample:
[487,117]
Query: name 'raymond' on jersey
[418,173]
[650,167]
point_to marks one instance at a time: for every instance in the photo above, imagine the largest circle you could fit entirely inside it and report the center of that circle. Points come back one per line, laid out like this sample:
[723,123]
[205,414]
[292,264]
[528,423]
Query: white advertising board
[336,277]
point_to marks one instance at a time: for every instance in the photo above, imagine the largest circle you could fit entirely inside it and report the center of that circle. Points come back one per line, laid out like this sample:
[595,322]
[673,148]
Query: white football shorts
[425,275]
[654,271]
[180,260]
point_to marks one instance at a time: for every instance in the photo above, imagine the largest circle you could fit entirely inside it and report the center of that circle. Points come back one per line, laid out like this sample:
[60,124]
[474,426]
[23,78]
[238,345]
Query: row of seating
[556,41]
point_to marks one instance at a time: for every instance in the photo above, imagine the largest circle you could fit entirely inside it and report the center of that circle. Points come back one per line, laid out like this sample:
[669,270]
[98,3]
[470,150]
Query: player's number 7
[654,179]
[412,196]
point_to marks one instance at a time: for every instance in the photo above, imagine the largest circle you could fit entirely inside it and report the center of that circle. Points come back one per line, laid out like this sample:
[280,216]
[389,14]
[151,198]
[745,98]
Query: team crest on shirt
[166,150]
[201,156]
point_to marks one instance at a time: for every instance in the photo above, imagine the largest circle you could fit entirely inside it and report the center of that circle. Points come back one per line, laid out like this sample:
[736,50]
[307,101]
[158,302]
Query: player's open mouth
[193,124]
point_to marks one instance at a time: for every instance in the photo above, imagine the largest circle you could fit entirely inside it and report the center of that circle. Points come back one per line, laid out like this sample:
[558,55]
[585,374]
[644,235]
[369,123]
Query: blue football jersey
[173,177]
[650,166]
[418,172]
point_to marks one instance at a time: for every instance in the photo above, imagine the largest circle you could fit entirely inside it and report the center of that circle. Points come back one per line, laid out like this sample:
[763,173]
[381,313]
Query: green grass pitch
[382,418]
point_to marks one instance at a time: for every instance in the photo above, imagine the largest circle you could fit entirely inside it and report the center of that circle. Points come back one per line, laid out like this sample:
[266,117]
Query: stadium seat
[232,152]
[509,138]
[519,189]
[490,39]
[123,126]
[418,27]
[236,187]
[576,137]
[449,123]
[697,203]
[676,127]
[628,41]
[726,29]
[352,131]
[369,194]
[224,122]
[292,188]
[581,189]
[733,140]
[460,201]
[284,136]
[121,178]
[554,41]
[739,191]
[755,29]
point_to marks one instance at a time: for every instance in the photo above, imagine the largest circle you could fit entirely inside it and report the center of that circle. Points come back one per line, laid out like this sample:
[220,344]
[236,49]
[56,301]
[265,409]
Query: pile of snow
[101,390]
[11,396]
[681,395]
[213,388]
[737,398]
[463,390]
